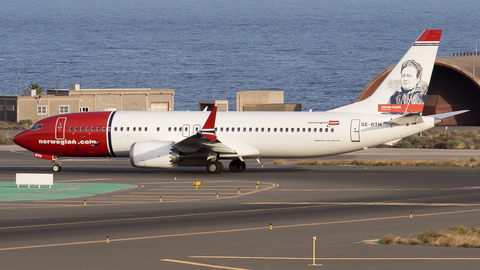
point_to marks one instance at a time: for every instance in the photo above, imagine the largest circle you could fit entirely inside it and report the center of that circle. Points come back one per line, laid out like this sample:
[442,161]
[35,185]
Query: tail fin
[405,88]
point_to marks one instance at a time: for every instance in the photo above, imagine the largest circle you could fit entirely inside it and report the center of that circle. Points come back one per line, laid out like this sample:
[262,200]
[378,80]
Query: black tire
[243,166]
[56,168]
[214,167]
[220,167]
[237,166]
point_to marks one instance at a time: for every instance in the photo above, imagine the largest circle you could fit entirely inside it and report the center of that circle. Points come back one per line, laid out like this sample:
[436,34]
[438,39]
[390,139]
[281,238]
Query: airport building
[56,101]
[454,86]
[264,101]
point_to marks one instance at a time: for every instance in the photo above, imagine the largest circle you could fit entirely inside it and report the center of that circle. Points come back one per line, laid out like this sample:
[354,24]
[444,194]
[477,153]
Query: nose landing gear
[57,167]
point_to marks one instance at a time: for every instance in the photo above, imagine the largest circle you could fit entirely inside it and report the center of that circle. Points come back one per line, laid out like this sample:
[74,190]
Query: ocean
[321,53]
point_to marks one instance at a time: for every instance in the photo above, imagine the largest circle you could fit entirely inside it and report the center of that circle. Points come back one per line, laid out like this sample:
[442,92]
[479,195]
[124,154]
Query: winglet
[208,130]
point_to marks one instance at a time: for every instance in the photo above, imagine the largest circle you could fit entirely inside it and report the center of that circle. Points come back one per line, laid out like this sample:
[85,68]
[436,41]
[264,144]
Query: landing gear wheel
[237,165]
[215,167]
[56,167]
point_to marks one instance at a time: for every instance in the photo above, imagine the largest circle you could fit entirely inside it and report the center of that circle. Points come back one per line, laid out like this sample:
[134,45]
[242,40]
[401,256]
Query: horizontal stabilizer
[439,117]
[448,114]
[411,118]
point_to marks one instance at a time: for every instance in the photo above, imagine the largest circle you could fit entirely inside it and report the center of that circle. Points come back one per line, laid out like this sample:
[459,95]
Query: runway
[191,228]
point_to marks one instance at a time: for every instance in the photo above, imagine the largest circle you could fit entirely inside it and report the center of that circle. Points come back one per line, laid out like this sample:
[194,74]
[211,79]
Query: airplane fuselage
[252,134]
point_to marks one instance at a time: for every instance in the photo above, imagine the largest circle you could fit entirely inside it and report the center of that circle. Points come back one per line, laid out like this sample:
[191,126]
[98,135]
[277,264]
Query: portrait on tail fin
[412,89]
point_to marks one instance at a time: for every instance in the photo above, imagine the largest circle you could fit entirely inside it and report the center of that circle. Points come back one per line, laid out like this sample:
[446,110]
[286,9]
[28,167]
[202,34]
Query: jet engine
[154,154]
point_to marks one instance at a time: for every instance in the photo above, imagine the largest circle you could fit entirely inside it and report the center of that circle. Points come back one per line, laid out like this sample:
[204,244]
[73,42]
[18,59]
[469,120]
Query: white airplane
[167,139]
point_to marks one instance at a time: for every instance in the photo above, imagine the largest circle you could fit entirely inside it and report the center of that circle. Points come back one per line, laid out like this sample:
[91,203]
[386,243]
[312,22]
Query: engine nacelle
[153,154]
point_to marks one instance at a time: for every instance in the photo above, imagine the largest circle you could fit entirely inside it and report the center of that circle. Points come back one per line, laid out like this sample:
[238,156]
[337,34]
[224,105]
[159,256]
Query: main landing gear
[214,167]
[237,165]
[217,167]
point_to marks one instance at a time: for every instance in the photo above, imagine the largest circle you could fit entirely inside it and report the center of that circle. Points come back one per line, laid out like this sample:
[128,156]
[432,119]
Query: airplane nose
[19,139]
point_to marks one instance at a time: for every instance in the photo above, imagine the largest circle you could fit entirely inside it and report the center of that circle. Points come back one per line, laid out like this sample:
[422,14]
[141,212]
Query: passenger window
[238,129]
[298,129]
[158,128]
[263,129]
[139,128]
[87,129]
[315,130]
[81,128]
[326,130]
[115,129]
[244,129]
[180,129]
[76,128]
[226,129]
[281,129]
[303,129]
[256,129]
[331,130]
[134,128]
[275,130]
[292,130]
[169,129]
[92,129]
[103,128]
[128,128]
[175,129]
[268,129]
[221,129]
[309,130]
[186,129]
[98,128]
[250,129]
[145,128]
[215,129]
[71,128]
[121,128]
[320,130]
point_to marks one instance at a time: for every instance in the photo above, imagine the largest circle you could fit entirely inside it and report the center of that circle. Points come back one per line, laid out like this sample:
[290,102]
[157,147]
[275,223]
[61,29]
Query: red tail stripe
[430,35]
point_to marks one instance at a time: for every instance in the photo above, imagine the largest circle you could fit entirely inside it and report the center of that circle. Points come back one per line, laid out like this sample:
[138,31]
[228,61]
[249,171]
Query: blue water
[320,52]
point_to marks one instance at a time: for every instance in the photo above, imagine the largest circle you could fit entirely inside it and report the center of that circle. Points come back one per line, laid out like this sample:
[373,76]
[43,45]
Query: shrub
[280,161]
[459,229]
[4,139]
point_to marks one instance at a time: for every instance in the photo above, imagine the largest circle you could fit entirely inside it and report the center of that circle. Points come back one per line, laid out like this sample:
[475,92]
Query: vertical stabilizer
[405,88]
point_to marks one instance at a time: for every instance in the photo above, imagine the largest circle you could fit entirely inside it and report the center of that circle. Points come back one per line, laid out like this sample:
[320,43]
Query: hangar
[455,85]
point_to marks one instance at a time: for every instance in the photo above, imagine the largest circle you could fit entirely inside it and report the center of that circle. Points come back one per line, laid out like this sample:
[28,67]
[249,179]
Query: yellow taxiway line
[203,264]
[331,259]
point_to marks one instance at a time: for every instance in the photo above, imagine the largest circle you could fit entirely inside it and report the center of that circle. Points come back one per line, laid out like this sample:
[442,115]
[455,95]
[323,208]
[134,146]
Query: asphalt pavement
[165,222]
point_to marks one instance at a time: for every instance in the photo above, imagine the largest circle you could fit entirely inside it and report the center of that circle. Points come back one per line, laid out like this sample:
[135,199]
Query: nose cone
[19,139]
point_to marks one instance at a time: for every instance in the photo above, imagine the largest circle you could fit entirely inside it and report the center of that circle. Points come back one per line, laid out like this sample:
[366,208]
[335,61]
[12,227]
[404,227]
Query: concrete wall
[249,98]
[274,107]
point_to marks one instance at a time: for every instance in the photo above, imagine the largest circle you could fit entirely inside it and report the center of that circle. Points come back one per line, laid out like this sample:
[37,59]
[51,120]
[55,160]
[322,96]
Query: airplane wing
[204,139]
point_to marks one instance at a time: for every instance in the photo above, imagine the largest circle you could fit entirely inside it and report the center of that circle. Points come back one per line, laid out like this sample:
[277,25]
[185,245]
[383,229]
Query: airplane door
[60,128]
[186,130]
[355,130]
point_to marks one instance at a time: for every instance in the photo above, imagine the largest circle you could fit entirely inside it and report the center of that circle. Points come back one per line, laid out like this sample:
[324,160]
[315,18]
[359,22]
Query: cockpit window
[36,127]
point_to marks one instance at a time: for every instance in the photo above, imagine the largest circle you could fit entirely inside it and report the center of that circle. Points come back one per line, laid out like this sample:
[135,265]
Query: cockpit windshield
[36,127]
